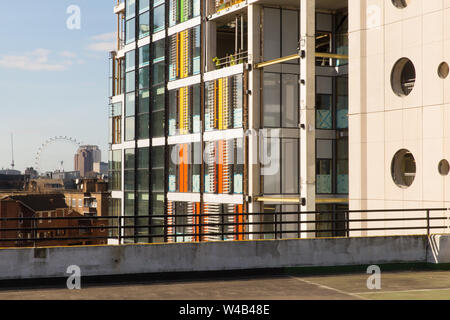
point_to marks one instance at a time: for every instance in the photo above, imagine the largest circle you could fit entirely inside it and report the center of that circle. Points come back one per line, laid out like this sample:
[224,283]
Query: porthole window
[403,77]
[443,70]
[400,3]
[403,168]
[444,167]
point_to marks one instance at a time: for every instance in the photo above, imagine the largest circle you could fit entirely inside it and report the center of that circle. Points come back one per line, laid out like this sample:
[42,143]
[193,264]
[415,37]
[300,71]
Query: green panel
[181,10]
[323,183]
[324,119]
[342,183]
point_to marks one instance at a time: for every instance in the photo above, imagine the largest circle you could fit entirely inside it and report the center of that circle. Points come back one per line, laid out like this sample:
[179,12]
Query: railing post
[119,225]
[347,223]
[428,222]
[222,226]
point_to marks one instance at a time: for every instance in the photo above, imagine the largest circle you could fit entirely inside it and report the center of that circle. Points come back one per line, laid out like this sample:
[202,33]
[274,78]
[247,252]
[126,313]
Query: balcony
[116,75]
[224,4]
[231,39]
[231,60]
[120,7]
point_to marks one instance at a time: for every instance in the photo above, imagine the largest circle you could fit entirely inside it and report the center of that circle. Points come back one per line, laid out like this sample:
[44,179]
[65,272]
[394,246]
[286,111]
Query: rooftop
[41,202]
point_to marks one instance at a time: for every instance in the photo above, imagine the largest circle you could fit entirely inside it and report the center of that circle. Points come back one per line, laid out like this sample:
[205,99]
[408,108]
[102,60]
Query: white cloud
[68,54]
[36,60]
[103,42]
[101,46]
[104,37]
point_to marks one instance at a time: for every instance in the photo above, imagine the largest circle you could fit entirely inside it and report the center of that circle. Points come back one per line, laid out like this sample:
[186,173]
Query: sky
[54,79]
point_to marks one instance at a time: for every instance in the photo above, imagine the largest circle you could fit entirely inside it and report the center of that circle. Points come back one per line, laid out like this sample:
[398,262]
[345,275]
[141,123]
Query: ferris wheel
[42,148]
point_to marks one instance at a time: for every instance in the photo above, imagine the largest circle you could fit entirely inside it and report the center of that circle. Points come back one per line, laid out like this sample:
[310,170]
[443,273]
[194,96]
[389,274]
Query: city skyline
[41,65]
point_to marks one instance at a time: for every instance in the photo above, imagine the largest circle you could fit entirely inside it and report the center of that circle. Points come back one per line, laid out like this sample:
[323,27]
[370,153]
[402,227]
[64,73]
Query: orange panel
[181,168]
[185,165]
[220,167]
[197,221]
[240,220]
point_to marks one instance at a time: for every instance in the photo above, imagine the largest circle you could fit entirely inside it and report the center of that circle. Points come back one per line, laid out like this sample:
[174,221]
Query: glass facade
[280,166]
[184,54]
[331,106]
[184,110]
[115,123]
[281,100]
[187,138]
[115,170]
[224,100]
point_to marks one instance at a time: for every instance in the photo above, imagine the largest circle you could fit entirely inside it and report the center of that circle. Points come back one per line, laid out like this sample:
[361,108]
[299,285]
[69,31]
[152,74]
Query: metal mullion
[136,108]
[333,112]
[167,43]
[150,118]
[202,111]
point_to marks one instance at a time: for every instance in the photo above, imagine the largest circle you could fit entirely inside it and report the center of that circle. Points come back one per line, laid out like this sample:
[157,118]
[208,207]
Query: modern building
[230,109]
[87,160]
[399,107]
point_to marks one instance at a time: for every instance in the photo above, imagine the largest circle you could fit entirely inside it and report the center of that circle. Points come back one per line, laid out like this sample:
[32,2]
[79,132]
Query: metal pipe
[242,33]
[236,34]
[297,200]
[297,56]
[331,55]
[276,61]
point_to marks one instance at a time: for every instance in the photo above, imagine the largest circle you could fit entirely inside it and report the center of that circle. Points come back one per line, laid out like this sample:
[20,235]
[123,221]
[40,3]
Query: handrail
[231,60]
[28,231]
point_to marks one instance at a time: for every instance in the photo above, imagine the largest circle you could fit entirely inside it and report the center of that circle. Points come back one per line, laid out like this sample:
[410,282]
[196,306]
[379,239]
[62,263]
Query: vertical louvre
[211,222]
[190,221]
[170,222]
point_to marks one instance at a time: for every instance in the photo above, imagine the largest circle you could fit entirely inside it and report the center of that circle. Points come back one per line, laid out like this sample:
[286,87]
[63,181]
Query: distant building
[43,185]
[101,168]
[10,172]
[45,231]
[65,175]
[90,198]
[30,172]
[86,158]
[12,182]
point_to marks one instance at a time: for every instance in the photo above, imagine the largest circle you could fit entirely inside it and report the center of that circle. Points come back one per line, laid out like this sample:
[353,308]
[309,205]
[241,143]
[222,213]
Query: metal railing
[224,4]
[90,230]
[231,60]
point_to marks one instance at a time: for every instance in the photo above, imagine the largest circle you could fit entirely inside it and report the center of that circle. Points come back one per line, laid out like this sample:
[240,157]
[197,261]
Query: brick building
[45,230]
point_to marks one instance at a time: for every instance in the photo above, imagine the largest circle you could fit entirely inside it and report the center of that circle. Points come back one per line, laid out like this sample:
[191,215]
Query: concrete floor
[394,285]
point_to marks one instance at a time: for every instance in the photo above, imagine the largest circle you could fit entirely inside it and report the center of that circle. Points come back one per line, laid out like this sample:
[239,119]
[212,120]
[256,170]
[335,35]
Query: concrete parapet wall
[216,256]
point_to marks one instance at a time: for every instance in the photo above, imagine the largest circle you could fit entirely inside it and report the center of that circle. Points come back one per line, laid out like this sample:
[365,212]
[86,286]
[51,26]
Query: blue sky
[53,80]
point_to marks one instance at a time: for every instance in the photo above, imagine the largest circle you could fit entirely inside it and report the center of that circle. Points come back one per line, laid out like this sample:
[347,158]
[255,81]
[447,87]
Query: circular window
[443,70]
[403,168]
[403,77]
[400,3]
[444,167]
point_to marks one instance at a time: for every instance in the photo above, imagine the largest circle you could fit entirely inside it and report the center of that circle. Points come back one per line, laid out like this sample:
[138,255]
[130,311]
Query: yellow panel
[226,115]
[181,109]
[181,55]
[220,104]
